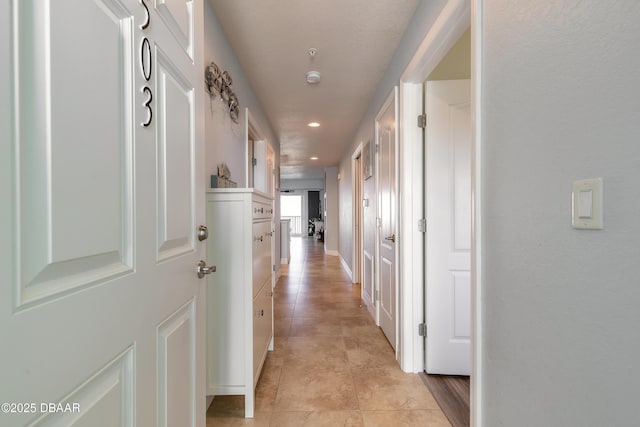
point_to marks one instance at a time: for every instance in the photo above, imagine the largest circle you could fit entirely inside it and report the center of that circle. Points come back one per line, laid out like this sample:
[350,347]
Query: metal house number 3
[145,66]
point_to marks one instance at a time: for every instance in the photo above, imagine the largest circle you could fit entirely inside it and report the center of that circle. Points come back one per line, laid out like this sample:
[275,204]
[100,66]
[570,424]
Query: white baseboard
[346,267]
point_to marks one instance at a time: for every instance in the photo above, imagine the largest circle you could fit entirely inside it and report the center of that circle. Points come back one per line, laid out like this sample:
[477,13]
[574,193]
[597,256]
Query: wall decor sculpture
[219,84]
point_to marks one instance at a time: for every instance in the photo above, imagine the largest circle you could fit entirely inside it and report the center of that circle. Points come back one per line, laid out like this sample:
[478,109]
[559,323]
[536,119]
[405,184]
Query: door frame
[251,133]
[356,203]
[454,19]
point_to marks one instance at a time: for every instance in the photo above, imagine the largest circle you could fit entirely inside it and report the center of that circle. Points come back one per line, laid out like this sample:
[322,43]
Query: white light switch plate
[586,206]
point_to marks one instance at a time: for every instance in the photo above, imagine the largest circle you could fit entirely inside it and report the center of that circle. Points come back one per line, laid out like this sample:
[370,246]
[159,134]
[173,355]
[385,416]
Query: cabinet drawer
[262,210]
[261,254]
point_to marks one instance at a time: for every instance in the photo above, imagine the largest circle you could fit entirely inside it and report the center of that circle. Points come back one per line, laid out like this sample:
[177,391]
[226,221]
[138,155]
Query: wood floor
[331,366]
[453,395]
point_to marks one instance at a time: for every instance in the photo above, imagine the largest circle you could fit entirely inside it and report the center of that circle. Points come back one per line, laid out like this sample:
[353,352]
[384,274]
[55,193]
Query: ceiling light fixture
[313,124]
[313,158]
[313,77]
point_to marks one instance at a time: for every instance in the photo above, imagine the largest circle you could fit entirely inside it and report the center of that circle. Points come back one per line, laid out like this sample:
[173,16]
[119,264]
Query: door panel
[368,283]
[105,399]
[386,132]
[369,242]
[178,17]
[387,297]
[176,368]
[448,207]
[94,202]
[175,107]
[54,151]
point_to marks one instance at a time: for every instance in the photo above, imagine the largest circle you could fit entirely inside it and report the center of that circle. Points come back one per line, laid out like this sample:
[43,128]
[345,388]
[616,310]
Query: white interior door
[448,241]
[369,235]
[386,132]
[101,193]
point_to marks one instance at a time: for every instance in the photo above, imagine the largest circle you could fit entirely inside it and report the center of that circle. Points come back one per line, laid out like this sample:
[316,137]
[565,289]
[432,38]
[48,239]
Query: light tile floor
[331,366]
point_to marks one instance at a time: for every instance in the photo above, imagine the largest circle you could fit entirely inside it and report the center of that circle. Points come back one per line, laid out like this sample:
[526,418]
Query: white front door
[448,212]
[386,132]
[101,194]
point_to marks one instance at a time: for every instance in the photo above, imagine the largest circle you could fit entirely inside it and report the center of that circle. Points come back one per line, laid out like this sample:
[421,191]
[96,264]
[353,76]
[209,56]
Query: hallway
[332,366]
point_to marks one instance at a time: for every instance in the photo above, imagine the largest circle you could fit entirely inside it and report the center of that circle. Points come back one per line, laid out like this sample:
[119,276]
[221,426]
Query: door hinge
[254,161]
[422,225]
[274,267]
[422,329]
[422,121]
[377,295]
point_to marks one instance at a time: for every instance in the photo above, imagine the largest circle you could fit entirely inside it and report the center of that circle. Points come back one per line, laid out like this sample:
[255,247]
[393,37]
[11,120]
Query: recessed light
[313,158]
[313,124]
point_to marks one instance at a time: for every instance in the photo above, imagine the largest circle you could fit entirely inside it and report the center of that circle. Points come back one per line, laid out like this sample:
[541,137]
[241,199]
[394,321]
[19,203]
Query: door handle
[202,269]
[391,238]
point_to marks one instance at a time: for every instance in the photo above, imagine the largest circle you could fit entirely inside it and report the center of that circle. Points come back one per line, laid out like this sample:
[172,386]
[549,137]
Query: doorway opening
[448,183]
[314,214]
[291,209]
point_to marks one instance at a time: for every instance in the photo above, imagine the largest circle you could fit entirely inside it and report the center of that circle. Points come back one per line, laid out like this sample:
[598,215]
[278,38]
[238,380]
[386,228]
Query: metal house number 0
[145,66]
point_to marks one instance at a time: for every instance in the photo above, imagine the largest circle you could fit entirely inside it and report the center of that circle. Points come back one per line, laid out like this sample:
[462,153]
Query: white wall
[331,209]
[423,18]
[226,140]
[345,221]
[561,307]
[302,184]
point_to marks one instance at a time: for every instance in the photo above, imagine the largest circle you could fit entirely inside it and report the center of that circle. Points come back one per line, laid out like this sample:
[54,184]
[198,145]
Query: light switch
[587,204]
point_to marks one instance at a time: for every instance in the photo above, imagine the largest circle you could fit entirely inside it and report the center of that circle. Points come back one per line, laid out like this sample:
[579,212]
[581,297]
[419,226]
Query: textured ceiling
[355,40]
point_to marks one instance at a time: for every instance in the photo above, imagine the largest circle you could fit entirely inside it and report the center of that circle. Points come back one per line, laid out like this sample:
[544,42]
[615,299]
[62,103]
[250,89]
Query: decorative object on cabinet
[223,179]
[240,296]
[218,84]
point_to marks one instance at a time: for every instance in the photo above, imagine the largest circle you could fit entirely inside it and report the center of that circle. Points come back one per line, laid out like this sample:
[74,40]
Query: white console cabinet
[239,293]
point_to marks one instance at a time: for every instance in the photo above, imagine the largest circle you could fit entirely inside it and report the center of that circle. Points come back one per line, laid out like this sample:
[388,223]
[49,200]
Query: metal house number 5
[145,66]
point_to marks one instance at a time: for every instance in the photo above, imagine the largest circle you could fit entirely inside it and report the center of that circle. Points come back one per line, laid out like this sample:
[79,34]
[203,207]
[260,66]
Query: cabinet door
[261,254]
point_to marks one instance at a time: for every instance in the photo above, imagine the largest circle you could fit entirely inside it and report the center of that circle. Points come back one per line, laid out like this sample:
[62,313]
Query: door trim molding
[477,376]
[356,246]
[250,128]
[411,247]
